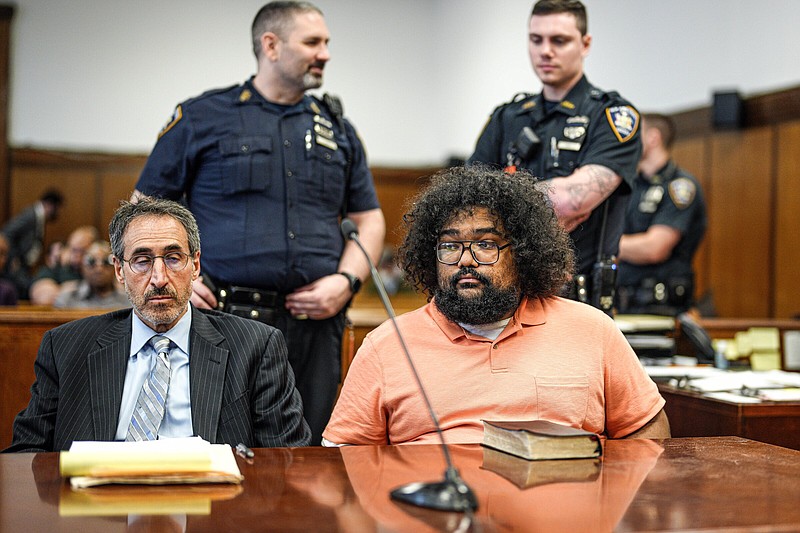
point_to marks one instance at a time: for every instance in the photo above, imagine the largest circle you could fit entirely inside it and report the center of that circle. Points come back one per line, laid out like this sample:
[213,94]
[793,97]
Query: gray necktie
[151,404]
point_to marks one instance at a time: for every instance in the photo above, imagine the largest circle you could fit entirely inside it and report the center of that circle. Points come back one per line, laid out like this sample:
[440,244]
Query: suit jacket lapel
[208,359]
[107,365]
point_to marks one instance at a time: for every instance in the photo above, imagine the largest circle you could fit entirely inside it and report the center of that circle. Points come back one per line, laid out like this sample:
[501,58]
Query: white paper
[145,446]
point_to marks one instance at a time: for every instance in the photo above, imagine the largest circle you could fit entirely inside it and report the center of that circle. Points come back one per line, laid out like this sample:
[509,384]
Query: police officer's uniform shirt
[589,126]
[265,182]
[672,197]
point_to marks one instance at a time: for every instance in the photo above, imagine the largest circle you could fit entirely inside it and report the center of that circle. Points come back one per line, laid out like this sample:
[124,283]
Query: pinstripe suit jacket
[241,385]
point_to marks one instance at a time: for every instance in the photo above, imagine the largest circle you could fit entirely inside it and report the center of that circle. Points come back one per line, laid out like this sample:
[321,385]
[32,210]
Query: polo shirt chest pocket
[246,163]
[563,398]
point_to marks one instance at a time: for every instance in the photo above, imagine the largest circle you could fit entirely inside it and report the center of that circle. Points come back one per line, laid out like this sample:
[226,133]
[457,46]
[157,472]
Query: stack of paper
[766,345]
[159,462]
[749,386]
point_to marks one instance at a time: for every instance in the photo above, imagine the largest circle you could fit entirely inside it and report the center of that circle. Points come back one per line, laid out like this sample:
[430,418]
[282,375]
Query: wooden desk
[693,415]
[724,483]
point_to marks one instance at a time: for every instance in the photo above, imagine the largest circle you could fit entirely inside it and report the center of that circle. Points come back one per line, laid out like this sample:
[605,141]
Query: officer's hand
[202,297]
[320,299]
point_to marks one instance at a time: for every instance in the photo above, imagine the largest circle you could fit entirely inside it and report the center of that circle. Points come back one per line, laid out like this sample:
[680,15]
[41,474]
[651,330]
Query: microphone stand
[452,493]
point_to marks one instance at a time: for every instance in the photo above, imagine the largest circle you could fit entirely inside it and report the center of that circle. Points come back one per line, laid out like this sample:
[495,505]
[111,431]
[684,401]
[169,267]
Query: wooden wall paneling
[114,187]
[742,177]
[394,188]
[92,184]
[787,221]
[692,154]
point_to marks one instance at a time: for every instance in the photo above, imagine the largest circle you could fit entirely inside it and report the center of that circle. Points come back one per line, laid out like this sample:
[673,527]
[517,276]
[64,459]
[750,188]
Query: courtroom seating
[21,331]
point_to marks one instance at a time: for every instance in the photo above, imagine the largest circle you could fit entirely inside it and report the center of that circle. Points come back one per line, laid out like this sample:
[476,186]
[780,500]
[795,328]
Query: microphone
[450,494]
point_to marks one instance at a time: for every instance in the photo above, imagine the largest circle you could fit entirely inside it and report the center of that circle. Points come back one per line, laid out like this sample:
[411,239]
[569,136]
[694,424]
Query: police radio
[604,282]
[604,273]
[523,147]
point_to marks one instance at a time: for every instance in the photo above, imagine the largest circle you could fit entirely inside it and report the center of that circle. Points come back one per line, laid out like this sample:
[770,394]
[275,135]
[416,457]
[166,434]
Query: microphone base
[450,494]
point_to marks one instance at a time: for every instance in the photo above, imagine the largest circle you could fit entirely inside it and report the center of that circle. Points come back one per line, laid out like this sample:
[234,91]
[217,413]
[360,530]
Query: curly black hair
[541,248]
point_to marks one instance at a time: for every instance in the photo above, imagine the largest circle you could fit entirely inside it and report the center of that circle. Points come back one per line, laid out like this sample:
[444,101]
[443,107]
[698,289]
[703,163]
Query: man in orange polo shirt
[494,342]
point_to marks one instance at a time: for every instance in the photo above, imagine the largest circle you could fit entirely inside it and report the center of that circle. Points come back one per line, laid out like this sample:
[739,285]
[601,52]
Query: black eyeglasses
[92,261]
[484,252]
[142,263]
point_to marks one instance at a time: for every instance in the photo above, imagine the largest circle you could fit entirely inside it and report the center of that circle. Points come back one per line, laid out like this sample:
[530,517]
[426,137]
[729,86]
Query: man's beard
[490,305]
[311,81]
[159,314]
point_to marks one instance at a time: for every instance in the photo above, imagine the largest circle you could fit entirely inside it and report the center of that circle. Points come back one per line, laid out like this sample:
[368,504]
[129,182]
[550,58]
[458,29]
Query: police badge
[624,121]
[682,191]
[176,116]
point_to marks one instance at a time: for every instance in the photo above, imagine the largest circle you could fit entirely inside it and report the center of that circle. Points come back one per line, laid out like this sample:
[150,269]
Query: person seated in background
[56,253]
[25,234]
[98,287]
[8,291]
[164,369]
[47,282]
[664,225]
[494,342]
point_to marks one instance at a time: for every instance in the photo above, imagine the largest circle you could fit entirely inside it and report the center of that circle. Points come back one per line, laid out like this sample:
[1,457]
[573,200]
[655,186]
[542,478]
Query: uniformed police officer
[267,171]
[664,225]
[583,141]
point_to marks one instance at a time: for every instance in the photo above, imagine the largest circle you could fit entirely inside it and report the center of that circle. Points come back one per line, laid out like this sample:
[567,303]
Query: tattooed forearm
[591,183]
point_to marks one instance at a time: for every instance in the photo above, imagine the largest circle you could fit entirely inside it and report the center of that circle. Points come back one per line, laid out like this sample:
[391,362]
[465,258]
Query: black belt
[248,302]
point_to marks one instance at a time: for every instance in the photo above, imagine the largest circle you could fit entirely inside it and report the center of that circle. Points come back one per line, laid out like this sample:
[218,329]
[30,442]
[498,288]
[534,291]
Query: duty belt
[247,302]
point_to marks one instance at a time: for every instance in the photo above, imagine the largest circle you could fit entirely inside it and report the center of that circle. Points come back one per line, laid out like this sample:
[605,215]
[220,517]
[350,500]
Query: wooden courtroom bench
[21,331]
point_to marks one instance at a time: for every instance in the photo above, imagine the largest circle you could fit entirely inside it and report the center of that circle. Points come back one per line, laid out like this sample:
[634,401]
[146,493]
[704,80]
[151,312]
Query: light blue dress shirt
[142,358]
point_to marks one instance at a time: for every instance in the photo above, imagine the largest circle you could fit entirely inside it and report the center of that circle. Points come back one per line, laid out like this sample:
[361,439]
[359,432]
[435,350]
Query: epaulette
[520,97]
[599,94]
[608,96]
[516,99]
[212,92]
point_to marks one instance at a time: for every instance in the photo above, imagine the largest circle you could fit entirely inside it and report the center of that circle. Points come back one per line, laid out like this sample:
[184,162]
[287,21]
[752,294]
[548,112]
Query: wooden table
[725,483]
[693,415]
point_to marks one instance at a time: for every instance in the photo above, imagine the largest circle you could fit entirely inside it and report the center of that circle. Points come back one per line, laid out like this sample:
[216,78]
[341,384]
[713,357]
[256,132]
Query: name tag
[568,145]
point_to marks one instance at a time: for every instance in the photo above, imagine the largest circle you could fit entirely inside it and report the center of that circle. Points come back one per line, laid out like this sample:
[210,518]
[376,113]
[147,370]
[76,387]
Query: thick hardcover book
[525,474]
[541,439]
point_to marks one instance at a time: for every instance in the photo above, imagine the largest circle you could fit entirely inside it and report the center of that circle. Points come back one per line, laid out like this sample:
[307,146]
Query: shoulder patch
[176,117]
[624,121]
[682,191]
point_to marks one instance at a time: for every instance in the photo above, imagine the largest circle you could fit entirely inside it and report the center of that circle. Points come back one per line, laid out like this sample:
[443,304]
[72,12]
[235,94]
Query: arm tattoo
[597,179]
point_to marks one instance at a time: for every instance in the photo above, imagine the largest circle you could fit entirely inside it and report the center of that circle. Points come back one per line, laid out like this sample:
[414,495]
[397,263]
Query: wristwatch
[355,283]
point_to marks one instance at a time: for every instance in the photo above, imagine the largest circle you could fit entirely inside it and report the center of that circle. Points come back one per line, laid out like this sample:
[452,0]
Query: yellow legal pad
[160,462]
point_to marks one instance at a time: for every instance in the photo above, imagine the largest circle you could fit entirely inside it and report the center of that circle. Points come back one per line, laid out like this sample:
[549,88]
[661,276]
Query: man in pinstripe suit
[230,381]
